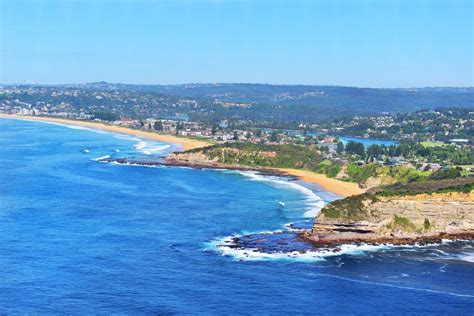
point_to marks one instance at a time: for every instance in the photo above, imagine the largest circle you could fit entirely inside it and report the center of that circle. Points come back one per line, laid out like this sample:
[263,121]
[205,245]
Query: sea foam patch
[149,148]
[228,246]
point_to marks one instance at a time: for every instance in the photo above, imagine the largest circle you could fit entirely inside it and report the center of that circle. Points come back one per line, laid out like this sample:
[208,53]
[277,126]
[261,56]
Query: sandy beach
[185,143]
[338,187]
[341,188]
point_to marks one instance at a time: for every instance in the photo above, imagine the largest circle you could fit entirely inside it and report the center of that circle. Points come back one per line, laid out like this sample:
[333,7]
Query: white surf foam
[226,247]
[100,158]
[72,126]
[149,148]
[313,202]
[145,147]
[289,228]
[466,256]
[140,145]
[126,137]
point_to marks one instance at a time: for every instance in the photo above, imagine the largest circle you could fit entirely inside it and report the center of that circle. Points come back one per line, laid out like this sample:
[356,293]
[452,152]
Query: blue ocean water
[79,236]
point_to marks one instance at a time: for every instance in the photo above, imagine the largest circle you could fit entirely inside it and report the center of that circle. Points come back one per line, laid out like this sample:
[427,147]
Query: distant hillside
[286,105]
[300,100]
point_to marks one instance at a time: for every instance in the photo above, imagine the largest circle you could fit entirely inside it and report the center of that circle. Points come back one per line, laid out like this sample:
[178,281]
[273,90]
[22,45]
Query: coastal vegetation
[313,159]
[404,224]
[355,207]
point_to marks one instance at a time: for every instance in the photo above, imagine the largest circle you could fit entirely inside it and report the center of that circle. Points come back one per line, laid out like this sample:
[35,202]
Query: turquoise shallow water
[79,236]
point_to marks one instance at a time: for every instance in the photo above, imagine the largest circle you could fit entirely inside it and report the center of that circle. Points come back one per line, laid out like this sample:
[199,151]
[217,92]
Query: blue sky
[354,43]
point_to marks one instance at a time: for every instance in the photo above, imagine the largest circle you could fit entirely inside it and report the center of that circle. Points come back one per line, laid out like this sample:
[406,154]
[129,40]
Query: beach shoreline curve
[337,187]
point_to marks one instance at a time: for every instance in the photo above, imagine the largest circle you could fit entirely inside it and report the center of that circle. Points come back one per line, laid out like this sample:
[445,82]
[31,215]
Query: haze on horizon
[347,43]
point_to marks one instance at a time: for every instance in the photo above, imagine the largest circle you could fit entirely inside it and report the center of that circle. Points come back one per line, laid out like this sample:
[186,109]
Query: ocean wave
[149,148]
[298,227]
[313,202]
[77,127]
[126,137]
[100,158]
[227,247]
[466,256]
[261,247]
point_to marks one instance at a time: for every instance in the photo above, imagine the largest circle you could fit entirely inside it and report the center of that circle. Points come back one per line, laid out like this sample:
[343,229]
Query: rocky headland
[424,211]
[195,163]
[405,214]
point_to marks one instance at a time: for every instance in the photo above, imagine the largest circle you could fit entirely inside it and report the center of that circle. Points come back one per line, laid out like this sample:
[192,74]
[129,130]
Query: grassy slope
[306,158]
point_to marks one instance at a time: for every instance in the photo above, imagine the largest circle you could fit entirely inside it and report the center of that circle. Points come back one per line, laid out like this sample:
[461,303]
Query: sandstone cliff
[375,218]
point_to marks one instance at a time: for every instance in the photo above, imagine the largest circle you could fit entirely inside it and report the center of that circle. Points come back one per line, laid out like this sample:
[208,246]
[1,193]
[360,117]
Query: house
[397,161]
[435,166]
[126,121]
[459,141]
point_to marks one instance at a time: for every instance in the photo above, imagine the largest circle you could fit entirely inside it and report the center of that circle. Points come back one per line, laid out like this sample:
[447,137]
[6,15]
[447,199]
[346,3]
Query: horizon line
[232,83]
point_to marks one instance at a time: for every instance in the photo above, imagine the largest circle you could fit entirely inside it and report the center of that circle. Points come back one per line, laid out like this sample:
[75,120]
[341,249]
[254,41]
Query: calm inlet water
[79,236]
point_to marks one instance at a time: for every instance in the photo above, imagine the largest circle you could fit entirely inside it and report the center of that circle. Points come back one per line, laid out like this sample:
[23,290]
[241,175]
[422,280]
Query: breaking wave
[77,127]
[228,247]
[285,245]
[149,148]
[313,202]
[100,158]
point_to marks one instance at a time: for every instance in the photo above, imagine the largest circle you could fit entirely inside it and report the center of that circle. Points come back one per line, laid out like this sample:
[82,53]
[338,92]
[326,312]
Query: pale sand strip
[186,143]
[338,187]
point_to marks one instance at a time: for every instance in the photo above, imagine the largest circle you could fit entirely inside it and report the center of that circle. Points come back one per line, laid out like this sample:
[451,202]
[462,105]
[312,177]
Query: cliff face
[191,157]
[395,219]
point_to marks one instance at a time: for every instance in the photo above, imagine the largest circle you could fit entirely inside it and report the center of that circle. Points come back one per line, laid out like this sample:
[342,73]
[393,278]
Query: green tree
[355,148]
[340,148]
[373,151]
[274,137]
[214,129]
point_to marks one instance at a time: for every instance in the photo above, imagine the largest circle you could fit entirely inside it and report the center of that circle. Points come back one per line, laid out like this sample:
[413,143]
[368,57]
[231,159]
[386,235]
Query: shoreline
[185,143]
[337,187]
[395,241]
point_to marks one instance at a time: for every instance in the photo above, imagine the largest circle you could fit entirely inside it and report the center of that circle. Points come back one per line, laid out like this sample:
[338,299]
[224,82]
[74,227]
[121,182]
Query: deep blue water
[79,236]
